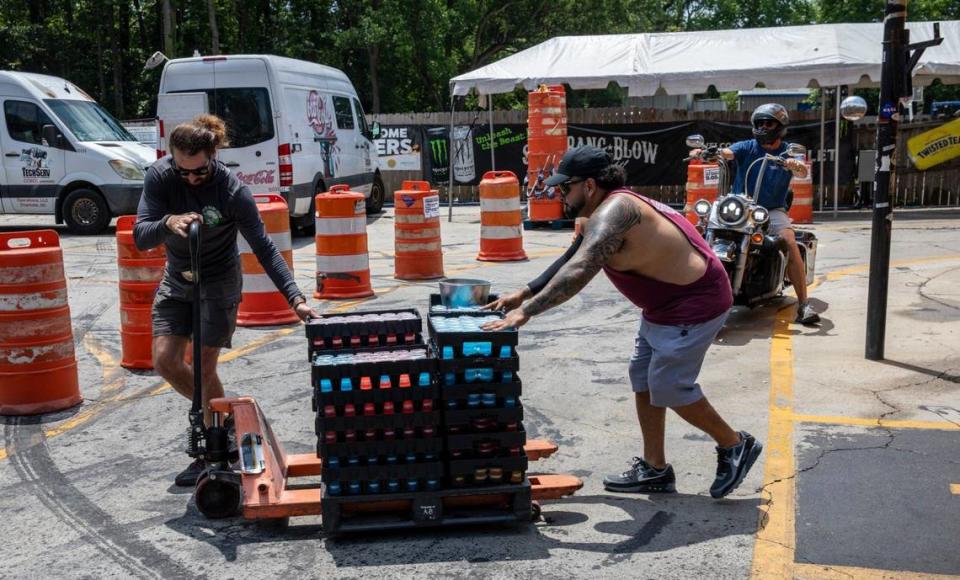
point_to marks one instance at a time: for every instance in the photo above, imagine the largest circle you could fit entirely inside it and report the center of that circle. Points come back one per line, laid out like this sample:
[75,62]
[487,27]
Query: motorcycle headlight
[126,170]
[760,215]
[731,211]
[702,208]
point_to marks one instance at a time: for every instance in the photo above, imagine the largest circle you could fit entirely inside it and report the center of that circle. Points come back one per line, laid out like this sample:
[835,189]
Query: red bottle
[365,384]
[388,408]
[349,410]
[329,411]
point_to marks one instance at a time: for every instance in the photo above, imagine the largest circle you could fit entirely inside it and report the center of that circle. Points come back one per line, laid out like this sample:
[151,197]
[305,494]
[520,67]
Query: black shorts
[173,314]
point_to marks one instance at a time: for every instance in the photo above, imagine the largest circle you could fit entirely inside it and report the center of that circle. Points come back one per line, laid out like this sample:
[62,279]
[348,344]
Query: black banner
[651,153]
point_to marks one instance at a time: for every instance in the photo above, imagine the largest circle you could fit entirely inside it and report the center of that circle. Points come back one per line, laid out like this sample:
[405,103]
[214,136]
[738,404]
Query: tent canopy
[789,57]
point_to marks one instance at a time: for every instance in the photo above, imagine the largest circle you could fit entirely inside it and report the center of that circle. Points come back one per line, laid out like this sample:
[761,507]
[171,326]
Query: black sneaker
[642,478]
[733,464]
[189,476]
[806,314]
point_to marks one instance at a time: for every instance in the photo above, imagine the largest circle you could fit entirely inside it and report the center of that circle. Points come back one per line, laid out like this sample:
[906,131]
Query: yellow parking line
[817,572]
[955,488]
[773,552]
[887,423]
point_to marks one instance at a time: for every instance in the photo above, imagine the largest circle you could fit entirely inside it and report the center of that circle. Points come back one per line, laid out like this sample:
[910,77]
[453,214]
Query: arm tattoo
[605,236]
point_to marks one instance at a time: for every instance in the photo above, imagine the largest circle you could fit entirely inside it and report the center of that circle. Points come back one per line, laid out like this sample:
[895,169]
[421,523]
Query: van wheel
[305,224]
[85,212]
[377,195]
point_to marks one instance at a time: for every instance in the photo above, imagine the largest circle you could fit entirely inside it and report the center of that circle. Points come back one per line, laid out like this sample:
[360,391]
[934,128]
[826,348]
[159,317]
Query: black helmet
[769,112]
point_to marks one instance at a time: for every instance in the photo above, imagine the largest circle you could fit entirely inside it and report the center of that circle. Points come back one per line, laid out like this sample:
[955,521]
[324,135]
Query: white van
[295,127]
[63,154]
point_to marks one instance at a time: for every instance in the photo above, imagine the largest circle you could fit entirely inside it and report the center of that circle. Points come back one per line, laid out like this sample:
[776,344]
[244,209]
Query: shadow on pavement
[646,524]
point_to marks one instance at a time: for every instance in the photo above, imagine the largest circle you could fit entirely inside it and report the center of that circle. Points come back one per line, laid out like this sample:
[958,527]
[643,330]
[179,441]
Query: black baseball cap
[586,161]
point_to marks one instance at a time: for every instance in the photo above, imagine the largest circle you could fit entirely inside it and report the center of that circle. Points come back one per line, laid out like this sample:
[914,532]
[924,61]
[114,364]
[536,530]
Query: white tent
[825,55]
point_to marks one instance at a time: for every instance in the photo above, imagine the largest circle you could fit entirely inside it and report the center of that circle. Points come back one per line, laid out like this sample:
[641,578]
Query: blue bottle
[393,486]
[391,459]
[506,377]
[447,352]
[333,488]
[411,457]
[346,384]
[373,487]
[505,351]
[373,460]
[333,462]
[452,404]
[353,461]
[326,386]
[432,485]
[473,401]
[353,488]
[509,402]
[428,457]
[477,349]
[450,378]
[489,400]
[412,485]
[424,380]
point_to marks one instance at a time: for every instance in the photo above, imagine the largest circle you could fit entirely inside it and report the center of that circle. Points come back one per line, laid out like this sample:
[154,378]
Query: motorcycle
[737,230]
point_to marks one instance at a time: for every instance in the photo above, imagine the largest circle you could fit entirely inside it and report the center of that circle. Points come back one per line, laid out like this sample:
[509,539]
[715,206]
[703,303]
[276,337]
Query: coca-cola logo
[262,177]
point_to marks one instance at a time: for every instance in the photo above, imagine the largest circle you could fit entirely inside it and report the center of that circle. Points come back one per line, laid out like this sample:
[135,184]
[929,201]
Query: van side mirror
[375,130]
[51,137]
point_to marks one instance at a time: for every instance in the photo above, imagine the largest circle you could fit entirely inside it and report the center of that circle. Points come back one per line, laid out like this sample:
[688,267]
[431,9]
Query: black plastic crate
[374,369]
[365,473]
[487,471]
[461,365]
[436,301]
[460,391]
[381,448]
[508,504]
[503,440]
[376,395]
[463,418]
[345,330]
[455,340]
[377,422]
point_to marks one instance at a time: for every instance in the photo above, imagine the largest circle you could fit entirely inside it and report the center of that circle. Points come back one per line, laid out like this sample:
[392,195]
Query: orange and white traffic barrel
[418,254]
[703,182]
[262,304]
[801,212]
[343,260]
[546,144]
[38,366]
[140,272]
[501,223]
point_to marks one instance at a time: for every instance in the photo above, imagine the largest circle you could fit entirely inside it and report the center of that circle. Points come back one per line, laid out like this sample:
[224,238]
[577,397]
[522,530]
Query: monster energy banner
[651,153]
[438,154]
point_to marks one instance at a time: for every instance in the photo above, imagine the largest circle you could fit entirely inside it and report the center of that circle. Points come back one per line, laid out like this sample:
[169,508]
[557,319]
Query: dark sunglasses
[199,172]
[767,124]
[565,186]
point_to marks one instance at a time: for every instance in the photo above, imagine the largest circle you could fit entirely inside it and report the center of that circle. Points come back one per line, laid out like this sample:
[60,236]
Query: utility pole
[896,88]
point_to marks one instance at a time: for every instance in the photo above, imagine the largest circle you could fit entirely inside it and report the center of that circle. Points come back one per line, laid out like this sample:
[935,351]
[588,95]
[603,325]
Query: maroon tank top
[673,304]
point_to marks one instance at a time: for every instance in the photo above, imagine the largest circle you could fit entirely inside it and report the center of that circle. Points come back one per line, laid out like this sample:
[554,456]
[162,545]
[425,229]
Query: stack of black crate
[376,399]
[480,392]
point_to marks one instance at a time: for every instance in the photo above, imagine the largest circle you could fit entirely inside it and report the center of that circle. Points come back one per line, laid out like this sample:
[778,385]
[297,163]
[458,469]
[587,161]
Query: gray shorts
[779,221]
[667,359]
[173,314]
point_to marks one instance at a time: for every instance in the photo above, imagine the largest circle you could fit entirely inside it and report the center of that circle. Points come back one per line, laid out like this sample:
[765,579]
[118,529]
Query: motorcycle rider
[769,128]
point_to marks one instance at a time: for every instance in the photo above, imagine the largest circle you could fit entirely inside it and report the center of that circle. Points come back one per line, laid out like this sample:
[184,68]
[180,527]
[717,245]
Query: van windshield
[89,121]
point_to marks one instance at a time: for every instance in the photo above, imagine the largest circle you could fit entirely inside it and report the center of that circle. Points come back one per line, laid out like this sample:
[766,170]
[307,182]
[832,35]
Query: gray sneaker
[806,314]
[642,478]
[733,463]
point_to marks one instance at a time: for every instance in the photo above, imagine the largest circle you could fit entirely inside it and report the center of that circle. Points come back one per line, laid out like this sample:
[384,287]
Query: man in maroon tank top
[658,261]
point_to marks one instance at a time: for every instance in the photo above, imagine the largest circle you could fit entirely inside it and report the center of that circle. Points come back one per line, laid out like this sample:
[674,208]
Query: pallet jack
[248,472]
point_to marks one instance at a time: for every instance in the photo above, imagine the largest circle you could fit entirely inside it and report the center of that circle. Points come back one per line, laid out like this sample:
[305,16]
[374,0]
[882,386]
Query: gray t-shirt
[227,207]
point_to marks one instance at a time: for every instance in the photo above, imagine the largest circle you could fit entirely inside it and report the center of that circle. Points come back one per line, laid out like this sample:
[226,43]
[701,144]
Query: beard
[572,210]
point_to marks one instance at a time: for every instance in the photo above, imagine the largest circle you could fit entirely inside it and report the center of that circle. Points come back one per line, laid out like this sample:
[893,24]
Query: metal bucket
[464,292]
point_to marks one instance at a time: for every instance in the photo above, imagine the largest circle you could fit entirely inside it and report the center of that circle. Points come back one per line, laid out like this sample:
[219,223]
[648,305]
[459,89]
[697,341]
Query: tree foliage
[399,53]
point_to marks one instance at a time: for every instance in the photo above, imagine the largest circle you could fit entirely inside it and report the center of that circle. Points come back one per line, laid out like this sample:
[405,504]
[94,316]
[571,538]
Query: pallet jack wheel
[217,498]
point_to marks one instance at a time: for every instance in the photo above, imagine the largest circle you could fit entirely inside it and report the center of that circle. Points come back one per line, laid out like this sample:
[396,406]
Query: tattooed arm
[604,238]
